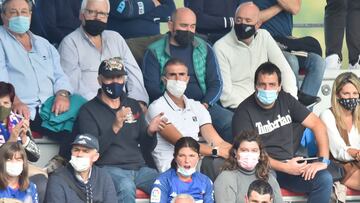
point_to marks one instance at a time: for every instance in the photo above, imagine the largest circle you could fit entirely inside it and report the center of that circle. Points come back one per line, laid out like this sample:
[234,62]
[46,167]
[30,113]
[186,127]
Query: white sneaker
[332,62]
[356,65]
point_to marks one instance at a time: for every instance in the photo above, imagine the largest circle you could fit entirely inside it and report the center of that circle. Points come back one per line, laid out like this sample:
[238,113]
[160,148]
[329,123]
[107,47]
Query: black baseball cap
[87,140]
[112,67]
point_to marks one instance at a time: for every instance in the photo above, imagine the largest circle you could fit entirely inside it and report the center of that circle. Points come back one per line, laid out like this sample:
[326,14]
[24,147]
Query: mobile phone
[308,159]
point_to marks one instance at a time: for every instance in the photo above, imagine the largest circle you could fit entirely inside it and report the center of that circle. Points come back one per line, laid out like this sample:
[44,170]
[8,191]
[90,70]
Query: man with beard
[83,50]
[205,84]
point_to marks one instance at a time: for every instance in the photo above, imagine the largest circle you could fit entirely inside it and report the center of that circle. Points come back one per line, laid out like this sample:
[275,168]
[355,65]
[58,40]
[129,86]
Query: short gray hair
[183,196]
[6,2]
[85,3]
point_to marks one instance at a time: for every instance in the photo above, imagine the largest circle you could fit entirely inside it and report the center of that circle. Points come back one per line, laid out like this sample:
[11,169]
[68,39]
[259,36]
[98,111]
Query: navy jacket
[214,17]
[100,187]
[138,18]
[59,17]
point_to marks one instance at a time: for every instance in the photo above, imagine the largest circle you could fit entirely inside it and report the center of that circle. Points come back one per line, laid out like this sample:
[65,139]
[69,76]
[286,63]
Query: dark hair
[182,143]
[7,89]
[267,68]
[262,168]
[6,2]
[7,151]
[173,61]
[260,186]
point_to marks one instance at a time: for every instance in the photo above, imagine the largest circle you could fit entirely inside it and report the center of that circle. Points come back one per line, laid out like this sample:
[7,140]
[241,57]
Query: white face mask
[80,164]
[186,172]
[14,168]
[176,87]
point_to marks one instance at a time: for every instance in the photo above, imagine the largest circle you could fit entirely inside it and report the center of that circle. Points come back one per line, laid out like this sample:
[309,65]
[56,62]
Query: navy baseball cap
[87,140]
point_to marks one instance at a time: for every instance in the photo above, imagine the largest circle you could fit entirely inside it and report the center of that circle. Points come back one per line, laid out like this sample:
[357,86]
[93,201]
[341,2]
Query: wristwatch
[63,93]
[214,152]
[324,160]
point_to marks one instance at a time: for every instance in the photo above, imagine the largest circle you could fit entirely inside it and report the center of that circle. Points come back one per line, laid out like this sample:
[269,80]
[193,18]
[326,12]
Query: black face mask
[244,31]
[94,27]
[349,104]
[183,37]
[113,90]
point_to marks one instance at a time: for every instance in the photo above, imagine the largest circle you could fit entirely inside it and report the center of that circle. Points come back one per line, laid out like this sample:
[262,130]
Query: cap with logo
[113,67]
[87,140]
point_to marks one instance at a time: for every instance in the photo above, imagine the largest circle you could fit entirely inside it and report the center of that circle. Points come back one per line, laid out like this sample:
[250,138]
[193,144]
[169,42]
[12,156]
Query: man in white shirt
[186,117]
[241,52]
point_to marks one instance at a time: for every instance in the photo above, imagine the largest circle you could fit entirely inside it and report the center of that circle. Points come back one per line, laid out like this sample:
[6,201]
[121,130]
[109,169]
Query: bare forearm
[278,165]
[291,6]
[270,12]
[205,150]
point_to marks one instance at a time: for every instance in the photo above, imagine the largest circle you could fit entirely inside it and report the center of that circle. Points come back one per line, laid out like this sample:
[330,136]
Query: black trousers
[340,16]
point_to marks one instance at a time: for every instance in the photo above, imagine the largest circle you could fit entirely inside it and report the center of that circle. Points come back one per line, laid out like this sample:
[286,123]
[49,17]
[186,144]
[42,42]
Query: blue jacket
[23,196]
[168,185]
[138,18]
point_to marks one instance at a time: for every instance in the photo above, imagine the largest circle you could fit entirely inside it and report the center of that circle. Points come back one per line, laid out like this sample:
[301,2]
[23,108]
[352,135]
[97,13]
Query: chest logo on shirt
[271,126]
[155,195]
[194,118]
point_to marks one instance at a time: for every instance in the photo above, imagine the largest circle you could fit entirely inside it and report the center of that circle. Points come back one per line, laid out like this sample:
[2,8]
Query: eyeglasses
[93,13]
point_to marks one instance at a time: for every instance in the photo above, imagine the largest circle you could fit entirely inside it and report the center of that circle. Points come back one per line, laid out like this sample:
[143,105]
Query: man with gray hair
[83,50]
[183,198]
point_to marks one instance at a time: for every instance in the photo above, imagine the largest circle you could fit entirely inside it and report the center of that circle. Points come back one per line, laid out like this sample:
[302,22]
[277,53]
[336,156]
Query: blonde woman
[343,124]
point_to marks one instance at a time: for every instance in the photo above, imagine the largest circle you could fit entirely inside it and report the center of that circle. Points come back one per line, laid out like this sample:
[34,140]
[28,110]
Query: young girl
[14,180]
[247,162]
[182,177]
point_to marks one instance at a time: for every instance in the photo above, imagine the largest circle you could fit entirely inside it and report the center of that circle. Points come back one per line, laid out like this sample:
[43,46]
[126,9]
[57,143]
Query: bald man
[205,83]
[242,51]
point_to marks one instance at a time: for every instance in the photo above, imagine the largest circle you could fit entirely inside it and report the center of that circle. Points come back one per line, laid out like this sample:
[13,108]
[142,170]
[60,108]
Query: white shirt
[239,61]
[187,121]
[337,145]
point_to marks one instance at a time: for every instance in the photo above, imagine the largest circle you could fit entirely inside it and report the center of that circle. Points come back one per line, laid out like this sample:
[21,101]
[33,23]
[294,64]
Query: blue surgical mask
[19,24]
[267,97]
[113,90]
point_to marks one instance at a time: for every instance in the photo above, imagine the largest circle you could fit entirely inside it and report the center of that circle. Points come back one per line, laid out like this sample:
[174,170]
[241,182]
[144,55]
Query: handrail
[308,25]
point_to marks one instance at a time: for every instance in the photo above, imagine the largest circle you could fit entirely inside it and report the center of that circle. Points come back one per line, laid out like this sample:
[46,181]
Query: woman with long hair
[247,162]
[342,121]
[14,174]
[182,177]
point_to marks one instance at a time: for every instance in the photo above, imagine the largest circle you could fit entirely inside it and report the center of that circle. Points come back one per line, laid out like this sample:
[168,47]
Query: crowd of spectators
[217,99]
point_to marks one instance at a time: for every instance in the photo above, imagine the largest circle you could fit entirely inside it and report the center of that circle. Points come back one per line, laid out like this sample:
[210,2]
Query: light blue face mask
[19,24]
[267,97]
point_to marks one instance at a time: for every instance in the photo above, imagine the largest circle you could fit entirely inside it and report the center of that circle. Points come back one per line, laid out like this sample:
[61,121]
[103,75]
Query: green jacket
[161,51]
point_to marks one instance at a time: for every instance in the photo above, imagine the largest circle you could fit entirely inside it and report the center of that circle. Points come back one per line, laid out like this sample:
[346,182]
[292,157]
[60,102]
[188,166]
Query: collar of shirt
[78,176]
[174,106]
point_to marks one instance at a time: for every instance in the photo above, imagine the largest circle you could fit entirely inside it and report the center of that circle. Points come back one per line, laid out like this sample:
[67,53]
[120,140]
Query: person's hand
[143,107]
[121,117]
[19,130]
[312,169]
[157,3]
[26,127]
[20,108]
[157,124]
[295,168]
[205,105]
[358,156]
[224,149]
[61,105]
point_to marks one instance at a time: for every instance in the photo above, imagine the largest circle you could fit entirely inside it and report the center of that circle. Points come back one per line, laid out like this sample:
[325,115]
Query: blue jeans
[318,189]
[126,181]
[314,66]
[221,119]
